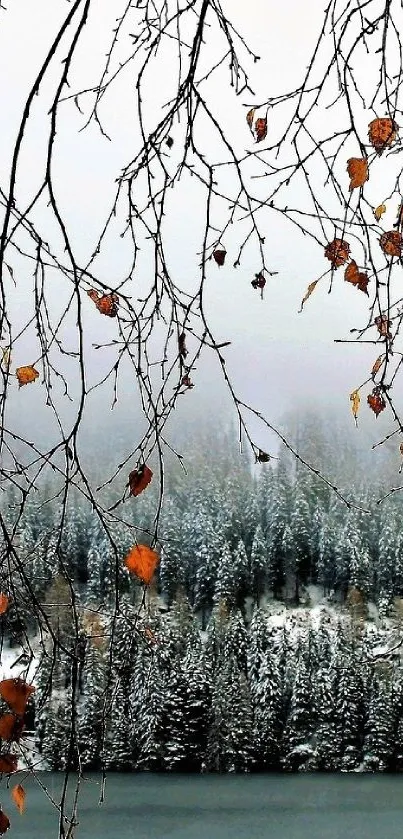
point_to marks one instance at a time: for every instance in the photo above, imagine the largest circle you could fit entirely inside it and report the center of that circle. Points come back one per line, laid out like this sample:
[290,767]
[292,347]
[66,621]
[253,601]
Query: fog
[279,358]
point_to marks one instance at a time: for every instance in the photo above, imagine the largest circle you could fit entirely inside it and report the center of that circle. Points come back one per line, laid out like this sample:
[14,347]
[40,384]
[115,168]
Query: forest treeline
[305,690]
[207,679]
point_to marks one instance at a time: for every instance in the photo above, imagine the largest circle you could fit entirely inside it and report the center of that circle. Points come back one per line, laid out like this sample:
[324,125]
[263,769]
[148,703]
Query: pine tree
[268,712]
[226,588]
[260,571]
[92,709]
[230,730]
[327,734]
[379,740]
[297,748]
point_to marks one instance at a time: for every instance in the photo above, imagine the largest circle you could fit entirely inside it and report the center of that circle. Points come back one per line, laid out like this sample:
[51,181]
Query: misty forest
[201,423]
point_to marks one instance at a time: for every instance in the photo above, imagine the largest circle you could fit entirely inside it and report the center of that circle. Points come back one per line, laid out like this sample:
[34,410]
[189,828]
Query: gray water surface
[220,807]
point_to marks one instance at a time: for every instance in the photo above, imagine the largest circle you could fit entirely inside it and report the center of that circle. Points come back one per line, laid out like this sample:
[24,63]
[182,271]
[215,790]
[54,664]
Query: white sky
[278,357]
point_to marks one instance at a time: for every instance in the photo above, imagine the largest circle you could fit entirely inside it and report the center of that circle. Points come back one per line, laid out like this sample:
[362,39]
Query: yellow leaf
[355,403]
[308,293]
[379,211]
[26,374]
[18,795]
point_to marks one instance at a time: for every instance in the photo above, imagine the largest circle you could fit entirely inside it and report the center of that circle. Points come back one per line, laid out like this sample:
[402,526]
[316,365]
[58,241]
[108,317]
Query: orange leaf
[355,277]
[261,129]
[355,403]
[379,211]
[142,561]
[4,603]
[308,293]
[357,168]
[4,822]
[382,132]
[8,763]
[106,303]
[401,449]
[16,693]
[11,727]
[338,252]
[18,795]
[376,402]
[249,117]
[377,365]
[139,479]
[26,375]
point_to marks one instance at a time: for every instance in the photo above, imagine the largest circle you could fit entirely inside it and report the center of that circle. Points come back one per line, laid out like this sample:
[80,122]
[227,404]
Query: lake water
[221,807]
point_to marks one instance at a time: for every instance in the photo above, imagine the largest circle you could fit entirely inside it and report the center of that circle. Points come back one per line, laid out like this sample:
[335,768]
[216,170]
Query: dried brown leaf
[355,403]
[377,365]
[250,117]
[308,293]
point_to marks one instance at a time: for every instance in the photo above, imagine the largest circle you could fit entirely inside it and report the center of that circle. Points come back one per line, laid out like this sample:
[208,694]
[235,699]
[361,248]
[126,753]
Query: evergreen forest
[270,639]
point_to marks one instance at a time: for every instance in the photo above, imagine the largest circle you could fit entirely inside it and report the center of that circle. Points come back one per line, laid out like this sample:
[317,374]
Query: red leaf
[4,822]
[8,763]
[16,693]
[261,129]
[376,402]
[11,727]
[139,479]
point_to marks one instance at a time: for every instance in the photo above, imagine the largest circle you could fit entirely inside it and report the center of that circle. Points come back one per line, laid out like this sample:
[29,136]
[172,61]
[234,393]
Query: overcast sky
[278,357]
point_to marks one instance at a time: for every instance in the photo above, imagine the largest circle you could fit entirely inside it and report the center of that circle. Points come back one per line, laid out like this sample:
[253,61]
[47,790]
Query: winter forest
[264,642]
